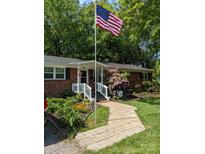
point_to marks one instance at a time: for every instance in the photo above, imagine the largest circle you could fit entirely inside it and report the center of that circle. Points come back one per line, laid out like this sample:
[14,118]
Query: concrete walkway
[54,143]
[123,122]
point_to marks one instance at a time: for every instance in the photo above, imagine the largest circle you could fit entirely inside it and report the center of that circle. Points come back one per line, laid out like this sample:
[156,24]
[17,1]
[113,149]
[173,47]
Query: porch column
[102,75]
[78,78]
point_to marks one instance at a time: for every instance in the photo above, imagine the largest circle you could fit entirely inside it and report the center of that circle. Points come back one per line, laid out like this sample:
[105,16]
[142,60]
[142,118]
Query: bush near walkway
[69,112]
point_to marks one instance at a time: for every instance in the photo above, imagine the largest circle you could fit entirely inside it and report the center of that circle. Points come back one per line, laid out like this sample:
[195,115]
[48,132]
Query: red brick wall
[133,78]
[56,88]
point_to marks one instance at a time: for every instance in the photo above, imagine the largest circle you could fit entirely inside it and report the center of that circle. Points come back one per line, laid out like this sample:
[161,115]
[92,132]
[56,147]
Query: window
[54,73]
[145,76]
[60,73]
[48,73]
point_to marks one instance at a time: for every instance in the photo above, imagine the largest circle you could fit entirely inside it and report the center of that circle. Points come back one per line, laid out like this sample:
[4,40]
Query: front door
[98,77]
[83,77]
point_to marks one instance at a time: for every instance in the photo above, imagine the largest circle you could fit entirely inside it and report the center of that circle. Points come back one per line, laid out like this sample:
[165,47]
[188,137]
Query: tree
[69,31]
[61,26]
[156,74]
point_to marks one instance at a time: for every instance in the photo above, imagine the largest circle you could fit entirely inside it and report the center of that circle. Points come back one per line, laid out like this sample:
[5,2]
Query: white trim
[78,78]
[102,75]
[87,76]
[54,74]
[64,74]
[88,62]
[57,66]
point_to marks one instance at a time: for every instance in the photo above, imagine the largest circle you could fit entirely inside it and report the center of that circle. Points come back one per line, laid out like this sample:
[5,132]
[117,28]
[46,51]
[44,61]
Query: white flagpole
[95,71]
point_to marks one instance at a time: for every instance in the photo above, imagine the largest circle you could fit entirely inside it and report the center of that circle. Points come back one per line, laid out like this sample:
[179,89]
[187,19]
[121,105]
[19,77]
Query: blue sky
[87,1]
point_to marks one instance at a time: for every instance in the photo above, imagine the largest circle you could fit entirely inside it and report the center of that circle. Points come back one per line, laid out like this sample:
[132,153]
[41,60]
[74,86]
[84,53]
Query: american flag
[108,21]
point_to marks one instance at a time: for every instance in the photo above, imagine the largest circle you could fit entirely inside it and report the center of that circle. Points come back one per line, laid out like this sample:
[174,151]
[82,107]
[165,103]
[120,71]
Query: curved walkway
[54,143]
[123,122]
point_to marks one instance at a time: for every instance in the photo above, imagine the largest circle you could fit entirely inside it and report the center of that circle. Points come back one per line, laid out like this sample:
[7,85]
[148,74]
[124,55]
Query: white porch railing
[103,89]
[83,88]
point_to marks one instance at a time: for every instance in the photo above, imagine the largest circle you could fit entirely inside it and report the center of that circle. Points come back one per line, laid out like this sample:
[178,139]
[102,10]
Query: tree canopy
[69,31]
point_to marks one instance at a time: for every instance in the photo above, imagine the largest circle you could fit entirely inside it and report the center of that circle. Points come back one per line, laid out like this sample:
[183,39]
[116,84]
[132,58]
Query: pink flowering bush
[117,81]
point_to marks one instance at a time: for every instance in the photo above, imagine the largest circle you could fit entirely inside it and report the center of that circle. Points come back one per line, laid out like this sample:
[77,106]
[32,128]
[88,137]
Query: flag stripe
[101,21]
[106,27]
[103,27]
[109,25]
[112,15]
[116,22]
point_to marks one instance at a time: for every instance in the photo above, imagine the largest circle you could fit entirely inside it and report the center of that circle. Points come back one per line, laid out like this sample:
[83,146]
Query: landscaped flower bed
[71,112]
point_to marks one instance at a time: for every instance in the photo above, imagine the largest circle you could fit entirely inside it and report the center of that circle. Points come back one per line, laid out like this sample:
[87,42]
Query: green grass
[102,119]
[146,142]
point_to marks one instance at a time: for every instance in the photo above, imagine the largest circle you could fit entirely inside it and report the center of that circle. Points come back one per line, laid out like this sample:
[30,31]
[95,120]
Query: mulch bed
[146,95]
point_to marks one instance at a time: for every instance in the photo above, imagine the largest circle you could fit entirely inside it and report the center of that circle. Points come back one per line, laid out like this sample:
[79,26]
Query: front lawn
[146,142]
[102,119]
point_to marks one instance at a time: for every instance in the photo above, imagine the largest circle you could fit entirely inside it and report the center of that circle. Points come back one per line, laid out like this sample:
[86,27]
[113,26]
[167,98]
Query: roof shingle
[61,61]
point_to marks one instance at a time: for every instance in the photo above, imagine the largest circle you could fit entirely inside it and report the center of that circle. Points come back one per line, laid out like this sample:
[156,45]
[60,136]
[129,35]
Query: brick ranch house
[61,74]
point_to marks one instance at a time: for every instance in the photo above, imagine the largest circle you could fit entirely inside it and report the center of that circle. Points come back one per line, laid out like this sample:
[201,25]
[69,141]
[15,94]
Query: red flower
[45,104]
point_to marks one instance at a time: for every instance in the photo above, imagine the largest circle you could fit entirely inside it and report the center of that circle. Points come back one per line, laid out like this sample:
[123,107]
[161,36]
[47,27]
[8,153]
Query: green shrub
[146,86]
[54,104]
[150,86]
[63,109]
[78,98]
[71,117]
[156,86]
[115,97]
[68,93]
[86,101]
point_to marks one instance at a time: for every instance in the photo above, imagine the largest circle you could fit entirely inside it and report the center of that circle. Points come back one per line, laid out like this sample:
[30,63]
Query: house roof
[72,62]
[59,61]
[128,67]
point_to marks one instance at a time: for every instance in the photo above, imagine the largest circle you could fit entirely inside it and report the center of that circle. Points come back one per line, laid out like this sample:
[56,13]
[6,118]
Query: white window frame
[59,73]
[49,73]
[54,73]
[145,76]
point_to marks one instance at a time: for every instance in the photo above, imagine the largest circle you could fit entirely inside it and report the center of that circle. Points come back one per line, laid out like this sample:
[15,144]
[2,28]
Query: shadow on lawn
[151,100]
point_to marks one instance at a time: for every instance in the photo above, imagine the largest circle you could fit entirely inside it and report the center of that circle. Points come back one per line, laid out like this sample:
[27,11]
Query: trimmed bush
[68,93]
